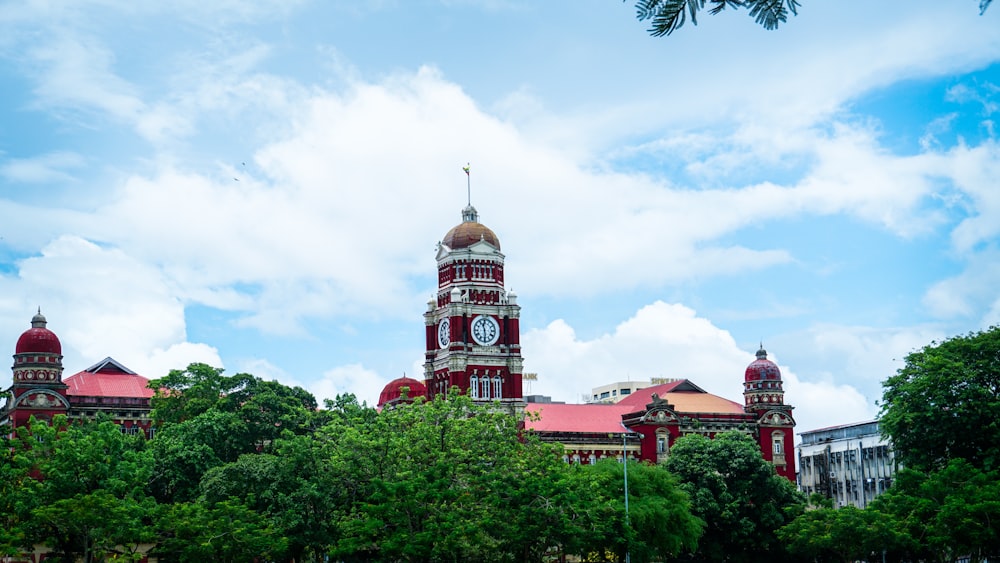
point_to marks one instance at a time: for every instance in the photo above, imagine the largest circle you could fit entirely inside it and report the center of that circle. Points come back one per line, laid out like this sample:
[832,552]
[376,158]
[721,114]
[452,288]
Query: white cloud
[102,302]
[364,383]
[47,168]
[671,340]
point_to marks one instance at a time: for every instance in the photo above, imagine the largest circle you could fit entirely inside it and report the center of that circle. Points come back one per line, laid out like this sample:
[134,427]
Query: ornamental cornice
[41,399]
[776,418]
[47,374]
[660,416]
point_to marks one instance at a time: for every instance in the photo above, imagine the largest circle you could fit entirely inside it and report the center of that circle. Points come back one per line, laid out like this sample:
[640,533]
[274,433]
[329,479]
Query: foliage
[738,495]
[81,488]
[943,391]
[265,407]
[659,520]
[947,513]
[446,480]
[224,532]
[206,419]
[667,16]
[242,470]
[842,535]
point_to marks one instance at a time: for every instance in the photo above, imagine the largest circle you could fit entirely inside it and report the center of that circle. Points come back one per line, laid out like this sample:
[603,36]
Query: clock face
[444,333]
[485,330]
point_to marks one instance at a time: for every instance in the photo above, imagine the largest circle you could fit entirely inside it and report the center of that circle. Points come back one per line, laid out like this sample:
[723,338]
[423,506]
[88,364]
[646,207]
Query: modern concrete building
[851,463]
[614,392]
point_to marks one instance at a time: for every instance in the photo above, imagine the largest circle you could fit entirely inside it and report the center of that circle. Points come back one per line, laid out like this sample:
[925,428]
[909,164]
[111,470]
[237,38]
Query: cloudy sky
[261,185]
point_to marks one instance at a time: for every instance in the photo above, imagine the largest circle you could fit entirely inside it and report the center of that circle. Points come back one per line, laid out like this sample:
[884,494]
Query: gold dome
[469,231]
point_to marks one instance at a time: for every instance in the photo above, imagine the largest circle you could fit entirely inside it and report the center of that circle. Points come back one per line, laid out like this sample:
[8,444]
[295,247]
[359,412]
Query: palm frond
[667,15]
[770,13]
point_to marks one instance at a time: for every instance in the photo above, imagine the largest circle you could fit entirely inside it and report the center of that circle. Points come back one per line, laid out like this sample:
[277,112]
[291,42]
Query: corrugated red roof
[557,417]
[108,379]
[686,397]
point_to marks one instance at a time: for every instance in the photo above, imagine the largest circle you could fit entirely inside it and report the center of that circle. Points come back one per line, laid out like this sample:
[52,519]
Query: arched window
[474,387]
[662,441]
[497,387]
[576,458]
[592,459]
[778,444]
[485,391]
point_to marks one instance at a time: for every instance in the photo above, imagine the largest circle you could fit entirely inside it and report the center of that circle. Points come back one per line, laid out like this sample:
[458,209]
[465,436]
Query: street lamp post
[625,436]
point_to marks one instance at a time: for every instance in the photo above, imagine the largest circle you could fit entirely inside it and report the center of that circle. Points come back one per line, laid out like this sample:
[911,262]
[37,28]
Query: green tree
[184,451]
[206,419]
[949,513]
[943,392]
[13,480]
[224,532]
[659,524]
[842,535]
[453,480]
[667,16]
[86,498]
[738,495]
[294,488]
[266,407]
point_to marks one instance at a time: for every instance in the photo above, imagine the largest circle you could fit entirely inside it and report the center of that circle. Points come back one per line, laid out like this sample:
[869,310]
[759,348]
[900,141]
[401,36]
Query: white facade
[614,392]
[851,464]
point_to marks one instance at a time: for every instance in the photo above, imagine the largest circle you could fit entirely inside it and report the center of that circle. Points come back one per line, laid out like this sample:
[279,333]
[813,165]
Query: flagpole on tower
[468,183]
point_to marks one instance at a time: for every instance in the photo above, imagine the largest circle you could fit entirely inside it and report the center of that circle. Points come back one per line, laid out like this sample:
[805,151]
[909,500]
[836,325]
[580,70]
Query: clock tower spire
[472,323]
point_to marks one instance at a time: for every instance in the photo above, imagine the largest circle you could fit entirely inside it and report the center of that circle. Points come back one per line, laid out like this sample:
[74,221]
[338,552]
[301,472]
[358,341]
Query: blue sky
[261,185]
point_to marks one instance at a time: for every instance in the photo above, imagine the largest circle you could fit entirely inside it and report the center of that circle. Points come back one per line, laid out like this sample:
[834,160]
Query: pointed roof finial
[468,184]
[762,353]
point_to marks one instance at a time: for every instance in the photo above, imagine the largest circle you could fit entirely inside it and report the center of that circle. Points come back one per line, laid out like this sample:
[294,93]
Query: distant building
[472,337]
[614,392]
[39,390]
[851,463]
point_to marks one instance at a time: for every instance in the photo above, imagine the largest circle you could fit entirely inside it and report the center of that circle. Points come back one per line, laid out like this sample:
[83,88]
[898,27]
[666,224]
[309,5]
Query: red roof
[685,397]
[108,378]
[762,368]
[38,338]
[558,417]
[394,390]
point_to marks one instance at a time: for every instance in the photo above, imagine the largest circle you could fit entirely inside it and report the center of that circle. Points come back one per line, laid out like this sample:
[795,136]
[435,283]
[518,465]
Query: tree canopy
[738,495]
[944,403]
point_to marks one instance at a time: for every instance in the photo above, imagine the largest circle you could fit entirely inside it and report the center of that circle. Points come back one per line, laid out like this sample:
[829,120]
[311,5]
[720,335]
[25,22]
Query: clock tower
[472,323]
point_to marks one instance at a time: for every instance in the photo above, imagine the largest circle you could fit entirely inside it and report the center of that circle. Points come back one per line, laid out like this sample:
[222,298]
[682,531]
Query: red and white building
[472,335]
[472,325]
[38,388]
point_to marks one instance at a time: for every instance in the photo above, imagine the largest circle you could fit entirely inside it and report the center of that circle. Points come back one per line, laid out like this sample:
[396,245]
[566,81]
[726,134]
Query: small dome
[38,338]
[469,232]
[393,390]
[762,368]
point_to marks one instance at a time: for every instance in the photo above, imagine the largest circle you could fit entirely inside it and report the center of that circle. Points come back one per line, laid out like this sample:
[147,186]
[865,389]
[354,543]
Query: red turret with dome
[38,389]
[764,397]
[38,338]
[762,368]
[392,393]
